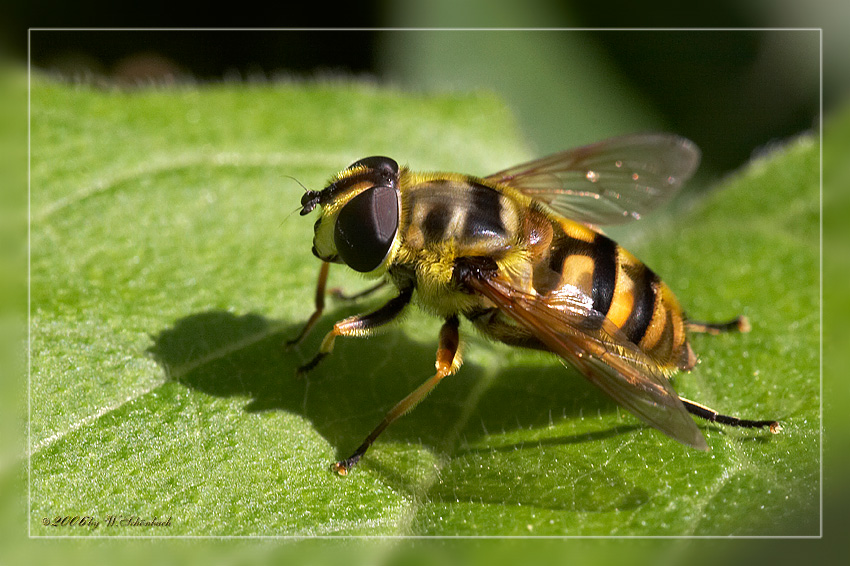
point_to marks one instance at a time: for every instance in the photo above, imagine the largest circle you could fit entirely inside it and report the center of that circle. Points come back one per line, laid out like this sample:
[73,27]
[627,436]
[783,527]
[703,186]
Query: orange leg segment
[447,363]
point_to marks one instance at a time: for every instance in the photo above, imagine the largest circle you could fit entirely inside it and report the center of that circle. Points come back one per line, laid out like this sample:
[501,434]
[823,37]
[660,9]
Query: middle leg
[448,362]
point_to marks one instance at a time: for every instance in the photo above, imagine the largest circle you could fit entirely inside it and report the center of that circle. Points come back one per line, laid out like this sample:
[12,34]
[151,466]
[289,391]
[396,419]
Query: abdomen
[621,287]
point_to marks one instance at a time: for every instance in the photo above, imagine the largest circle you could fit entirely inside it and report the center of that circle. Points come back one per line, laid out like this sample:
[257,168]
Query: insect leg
[713,416]
[738,324]
[448,362]
[360,325]
[337,293]
[320,306]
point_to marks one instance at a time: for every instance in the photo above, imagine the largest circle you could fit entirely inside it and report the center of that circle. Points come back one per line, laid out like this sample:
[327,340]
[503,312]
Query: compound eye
[385,165]
[366,227]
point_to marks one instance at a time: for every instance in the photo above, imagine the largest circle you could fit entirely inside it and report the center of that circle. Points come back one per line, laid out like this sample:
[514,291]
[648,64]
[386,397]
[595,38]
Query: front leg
[320,306]
[360,325]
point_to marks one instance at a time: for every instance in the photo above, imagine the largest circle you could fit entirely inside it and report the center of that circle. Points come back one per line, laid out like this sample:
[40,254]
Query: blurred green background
[734,92]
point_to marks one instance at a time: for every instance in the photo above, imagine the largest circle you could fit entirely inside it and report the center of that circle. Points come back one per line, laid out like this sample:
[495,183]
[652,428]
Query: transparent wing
[572,329]
[609,182]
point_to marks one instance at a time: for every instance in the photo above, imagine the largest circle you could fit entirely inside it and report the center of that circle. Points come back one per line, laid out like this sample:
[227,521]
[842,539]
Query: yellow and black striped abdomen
[621,287]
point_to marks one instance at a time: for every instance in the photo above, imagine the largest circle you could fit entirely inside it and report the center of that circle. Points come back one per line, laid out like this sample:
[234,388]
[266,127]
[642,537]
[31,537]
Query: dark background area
[725,72]
[733,92]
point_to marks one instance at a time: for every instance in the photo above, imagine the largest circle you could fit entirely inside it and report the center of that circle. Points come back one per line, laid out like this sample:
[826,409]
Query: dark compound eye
[366,227]
[378,163]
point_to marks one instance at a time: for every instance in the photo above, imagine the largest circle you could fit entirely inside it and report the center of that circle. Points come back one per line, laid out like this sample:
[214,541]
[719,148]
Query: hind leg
[737,324]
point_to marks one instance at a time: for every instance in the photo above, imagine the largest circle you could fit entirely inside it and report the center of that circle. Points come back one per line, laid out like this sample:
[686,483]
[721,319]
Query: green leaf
[168,268]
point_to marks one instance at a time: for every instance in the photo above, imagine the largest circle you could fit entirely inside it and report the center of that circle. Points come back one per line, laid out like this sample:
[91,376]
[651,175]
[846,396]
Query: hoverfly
[518,254]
